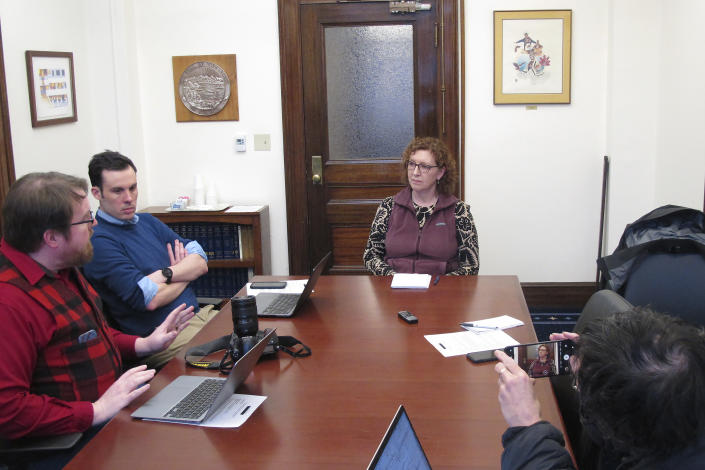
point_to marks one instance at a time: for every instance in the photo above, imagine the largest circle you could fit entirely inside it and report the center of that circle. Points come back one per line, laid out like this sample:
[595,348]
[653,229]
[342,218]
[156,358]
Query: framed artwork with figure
[532,56]
[52,92]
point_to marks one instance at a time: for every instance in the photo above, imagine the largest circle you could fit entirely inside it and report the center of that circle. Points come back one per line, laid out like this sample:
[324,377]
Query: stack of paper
[455,344]
[411,281]
[497,323]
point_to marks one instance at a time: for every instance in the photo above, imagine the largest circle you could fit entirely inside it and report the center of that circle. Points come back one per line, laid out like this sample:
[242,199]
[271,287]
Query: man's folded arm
[190,268]
[164,294]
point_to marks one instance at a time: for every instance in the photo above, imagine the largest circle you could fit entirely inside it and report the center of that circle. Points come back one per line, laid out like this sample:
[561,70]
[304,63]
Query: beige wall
[532,178]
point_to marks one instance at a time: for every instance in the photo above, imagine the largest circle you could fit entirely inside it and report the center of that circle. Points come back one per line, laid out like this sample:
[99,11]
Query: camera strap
[287,344]
[194,356]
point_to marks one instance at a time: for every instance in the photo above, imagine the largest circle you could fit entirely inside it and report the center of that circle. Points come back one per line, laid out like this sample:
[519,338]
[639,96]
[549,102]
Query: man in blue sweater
[140,267]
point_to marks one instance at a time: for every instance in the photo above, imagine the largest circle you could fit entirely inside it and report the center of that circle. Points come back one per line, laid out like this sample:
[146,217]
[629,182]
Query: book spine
[228,241]
[238,243]
[216,237]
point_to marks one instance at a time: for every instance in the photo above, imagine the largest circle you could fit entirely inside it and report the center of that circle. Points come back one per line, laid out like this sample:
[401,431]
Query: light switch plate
[263,142]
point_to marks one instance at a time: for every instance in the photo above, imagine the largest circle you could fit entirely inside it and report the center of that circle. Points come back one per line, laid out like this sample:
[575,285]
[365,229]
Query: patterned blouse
[465,234]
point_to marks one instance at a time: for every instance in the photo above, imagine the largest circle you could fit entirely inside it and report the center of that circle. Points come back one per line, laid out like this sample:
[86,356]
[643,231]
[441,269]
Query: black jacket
[667,229]
[541,447]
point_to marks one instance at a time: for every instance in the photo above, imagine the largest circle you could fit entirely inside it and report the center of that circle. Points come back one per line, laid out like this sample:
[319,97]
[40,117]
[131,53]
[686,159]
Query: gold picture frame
[532,52]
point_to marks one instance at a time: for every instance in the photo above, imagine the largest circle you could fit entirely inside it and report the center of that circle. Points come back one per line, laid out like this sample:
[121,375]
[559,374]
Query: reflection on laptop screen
[400,447]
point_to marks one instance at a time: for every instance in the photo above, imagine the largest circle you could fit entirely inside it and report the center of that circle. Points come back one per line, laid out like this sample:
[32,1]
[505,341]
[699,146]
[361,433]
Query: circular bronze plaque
[204,88]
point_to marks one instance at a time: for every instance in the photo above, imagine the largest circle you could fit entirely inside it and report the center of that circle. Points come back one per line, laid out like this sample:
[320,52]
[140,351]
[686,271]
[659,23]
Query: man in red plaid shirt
[61,369]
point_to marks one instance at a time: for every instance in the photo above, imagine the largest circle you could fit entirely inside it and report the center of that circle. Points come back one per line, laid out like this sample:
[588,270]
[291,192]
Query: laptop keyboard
[281,304]
[197,402]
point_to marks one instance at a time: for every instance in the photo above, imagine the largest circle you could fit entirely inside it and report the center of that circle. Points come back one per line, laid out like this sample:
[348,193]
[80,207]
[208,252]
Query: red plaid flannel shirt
[45,315]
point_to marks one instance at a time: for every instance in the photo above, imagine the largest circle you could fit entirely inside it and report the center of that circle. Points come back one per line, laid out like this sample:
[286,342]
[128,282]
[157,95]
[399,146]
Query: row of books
[222,283]
[219,240]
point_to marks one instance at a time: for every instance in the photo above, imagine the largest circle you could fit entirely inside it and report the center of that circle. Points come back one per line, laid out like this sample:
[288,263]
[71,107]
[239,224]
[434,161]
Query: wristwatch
[167,273]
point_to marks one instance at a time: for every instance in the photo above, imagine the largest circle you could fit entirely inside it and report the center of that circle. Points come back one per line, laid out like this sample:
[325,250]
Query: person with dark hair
[140,268]
[62,365]
[639,376]
[424,228]
[543,365]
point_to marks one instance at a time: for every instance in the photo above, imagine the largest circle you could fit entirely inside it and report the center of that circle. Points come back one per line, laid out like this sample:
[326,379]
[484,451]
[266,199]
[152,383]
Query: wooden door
[358,83]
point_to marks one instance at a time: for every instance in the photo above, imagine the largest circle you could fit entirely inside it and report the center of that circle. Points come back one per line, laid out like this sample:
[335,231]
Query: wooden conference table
[330,410]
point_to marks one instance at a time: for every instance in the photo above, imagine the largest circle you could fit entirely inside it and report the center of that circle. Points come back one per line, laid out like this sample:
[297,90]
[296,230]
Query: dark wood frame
[7,165]
[29,57]
[293,128]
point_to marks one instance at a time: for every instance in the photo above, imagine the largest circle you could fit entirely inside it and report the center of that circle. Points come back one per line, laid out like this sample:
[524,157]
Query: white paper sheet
[411,281]
[234,412]
[502,322]
[235,209]
[455,344]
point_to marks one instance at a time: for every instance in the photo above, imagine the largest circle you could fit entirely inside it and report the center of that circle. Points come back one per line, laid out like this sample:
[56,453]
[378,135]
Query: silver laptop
[271,304]
[194,398]
[400,447]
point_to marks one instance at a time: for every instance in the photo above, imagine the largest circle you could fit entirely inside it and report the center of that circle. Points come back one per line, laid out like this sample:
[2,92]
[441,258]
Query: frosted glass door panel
[370,90]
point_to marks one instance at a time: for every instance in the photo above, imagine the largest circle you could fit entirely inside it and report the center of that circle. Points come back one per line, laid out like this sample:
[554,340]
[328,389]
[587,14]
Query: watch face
[167,273]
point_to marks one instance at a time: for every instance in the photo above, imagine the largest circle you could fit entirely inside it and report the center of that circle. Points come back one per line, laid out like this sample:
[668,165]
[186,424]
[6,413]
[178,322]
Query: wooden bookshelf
[259,259]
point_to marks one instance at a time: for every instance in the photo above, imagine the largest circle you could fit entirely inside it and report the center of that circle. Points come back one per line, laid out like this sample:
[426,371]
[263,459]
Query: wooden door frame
[295,169]
[7,165]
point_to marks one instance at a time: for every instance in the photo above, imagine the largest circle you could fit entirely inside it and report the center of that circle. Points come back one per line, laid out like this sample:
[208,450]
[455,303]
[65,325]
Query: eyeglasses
[87,221]
[412,166]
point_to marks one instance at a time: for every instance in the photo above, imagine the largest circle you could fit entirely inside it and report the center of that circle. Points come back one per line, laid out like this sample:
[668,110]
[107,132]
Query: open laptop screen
[400,447]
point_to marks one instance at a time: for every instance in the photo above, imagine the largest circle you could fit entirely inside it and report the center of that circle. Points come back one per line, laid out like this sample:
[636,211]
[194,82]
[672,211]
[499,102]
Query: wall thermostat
[240,143]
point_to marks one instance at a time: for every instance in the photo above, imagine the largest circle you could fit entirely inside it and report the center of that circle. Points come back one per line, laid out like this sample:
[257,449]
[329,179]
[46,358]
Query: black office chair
[20,453]
[660,263]
[601,304]
[672,283]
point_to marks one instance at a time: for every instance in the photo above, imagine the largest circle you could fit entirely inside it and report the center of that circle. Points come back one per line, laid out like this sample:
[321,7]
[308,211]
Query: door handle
[317,169]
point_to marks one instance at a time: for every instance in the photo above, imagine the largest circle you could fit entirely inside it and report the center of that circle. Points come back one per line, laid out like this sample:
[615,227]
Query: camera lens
[244,315]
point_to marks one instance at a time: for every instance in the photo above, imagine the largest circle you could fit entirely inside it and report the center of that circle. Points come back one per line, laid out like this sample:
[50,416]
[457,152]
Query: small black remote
[408,316]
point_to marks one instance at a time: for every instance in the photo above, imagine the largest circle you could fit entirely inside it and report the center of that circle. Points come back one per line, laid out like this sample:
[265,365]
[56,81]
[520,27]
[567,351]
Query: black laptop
[400,447]
[271,304]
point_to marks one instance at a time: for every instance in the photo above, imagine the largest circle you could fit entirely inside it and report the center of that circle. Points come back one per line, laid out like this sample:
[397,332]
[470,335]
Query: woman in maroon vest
[424,228]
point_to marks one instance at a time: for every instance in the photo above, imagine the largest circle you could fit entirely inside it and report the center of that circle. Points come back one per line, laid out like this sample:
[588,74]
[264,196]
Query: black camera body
[239,346]
[245,329]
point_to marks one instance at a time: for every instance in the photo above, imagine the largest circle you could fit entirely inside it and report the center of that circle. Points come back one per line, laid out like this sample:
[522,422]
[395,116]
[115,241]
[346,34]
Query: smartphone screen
[543,359]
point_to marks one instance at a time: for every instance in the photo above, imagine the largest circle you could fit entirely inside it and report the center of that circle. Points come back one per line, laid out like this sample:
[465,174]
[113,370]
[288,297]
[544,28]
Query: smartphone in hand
[543,359]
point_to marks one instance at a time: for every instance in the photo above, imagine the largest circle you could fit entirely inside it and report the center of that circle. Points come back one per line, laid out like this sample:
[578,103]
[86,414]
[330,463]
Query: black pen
[438,278]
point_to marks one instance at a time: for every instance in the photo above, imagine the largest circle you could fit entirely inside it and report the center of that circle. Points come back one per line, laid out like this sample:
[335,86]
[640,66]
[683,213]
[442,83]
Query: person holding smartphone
[639,377]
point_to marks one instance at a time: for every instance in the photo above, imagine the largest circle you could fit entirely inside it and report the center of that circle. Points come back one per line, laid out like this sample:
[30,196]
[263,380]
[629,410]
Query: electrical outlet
[263,142]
